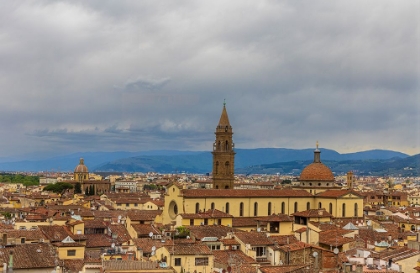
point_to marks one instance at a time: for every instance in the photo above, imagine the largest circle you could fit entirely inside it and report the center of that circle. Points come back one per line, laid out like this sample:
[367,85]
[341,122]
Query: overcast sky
[79,76]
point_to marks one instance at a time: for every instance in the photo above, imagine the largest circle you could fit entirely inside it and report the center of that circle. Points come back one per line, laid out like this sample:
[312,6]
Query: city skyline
[127,76]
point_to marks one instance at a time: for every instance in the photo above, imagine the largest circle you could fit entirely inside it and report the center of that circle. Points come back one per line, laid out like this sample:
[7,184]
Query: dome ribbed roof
[81,168]
[316,172]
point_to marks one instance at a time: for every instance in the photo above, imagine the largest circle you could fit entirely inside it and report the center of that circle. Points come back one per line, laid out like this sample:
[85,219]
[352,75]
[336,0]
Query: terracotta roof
[146,244]
[276,218]
[316,171]
[189,249]
[313,213]
[209,214]
[282,268]
[227,257]
[232,193]
[30,256]
[200,232]
[55,233]
[283,239]
[337,193]
[253,238]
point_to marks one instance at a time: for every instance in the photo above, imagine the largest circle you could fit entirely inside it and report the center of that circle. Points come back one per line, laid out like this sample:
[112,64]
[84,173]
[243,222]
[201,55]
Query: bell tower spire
[223,154]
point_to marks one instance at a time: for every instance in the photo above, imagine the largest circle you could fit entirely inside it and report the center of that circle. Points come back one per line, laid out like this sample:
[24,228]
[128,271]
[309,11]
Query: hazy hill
[409,166]
[188,161]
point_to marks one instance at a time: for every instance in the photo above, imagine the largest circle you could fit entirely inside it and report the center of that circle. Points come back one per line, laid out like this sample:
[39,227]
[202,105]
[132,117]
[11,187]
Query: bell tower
[223,154]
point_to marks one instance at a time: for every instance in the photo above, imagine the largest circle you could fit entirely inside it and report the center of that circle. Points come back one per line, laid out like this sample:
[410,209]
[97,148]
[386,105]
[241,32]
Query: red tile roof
[232,193]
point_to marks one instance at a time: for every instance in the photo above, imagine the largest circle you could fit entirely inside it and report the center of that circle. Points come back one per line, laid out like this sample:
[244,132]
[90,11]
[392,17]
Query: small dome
[81,168]
[316,172]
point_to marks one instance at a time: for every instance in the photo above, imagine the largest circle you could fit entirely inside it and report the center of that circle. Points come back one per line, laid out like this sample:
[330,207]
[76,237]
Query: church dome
[316,172]
[81,168]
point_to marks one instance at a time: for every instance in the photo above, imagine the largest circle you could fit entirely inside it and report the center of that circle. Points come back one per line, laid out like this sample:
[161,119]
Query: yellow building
[68,249]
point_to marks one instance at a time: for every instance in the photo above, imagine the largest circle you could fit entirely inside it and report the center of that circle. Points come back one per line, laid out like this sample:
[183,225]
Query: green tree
[59,187]
[78,188]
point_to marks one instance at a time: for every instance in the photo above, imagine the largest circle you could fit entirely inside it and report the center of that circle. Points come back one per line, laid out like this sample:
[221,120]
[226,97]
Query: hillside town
[221,222]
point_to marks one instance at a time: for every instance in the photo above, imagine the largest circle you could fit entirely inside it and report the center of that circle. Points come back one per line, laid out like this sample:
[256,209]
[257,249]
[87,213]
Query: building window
[177,261]
[201,261]
[22,240]
[212,206]
[191,222]
[127,205]
[71,252]
[356,209]
[136,205]
[331,208]
[255,209]
[241,209]
[344,210]
[227,207]
[119,205]
[259,251]
[197,207]
[296,207]
[319,205]
[269,208]
[283,208]
[308,206]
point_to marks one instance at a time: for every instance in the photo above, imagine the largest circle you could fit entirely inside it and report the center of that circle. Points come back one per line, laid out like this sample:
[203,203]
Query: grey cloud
[292,72]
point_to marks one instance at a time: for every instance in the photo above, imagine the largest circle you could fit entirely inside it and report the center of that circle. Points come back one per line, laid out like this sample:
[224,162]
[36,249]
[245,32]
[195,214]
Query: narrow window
[212,206]
[331,208]
[269,208]
[356,213]
[296,206]
[197,207]
[227,207]
[283,208]
[255,209]
[344,210]
[319,205]
[308,206]
[241,209]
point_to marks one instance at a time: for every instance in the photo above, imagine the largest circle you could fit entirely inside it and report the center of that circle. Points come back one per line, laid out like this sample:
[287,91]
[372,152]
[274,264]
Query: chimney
[10,267]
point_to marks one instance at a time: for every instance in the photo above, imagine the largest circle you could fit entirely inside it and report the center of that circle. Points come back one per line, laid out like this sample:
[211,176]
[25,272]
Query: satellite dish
[369,222]
[153,248]
[113,245]
[153,253]
[150,234]
[315,254]
[336,251]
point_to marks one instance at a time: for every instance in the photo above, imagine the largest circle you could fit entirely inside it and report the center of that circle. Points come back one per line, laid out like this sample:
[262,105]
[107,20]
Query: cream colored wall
[62,253]
[187,261]
[407,265]
[188,205]
[311,236]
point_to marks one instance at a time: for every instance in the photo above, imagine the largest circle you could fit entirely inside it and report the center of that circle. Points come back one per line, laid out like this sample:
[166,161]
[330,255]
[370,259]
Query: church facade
[317,190]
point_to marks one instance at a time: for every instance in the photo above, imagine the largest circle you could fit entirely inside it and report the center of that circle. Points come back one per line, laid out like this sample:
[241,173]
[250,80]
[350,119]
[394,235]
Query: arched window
[227,164]
[255,209]
[197,207]
[227,146]
[308,206]
[403,227]
[331,208]
[283,208]
[212,206]
[344,210]
[227,207]
[219,146]
[413,228]
[320,205]
[217,167]
[356,210]
[241,209]
[269,208]
[296,206]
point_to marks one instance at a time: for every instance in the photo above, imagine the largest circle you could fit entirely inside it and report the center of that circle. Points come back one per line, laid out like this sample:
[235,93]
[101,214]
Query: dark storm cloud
[95,75]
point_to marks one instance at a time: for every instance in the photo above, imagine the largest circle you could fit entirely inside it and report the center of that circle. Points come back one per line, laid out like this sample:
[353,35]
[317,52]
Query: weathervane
[224,102]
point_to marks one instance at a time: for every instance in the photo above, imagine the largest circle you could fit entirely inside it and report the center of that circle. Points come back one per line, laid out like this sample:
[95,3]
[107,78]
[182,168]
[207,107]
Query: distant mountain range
[264,160]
